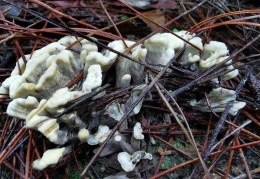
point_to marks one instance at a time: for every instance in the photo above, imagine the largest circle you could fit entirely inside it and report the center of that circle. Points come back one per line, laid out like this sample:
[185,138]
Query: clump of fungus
[51,156]
[83,135]
[162,47]
[100,136]
[138,131]
[218,99]
[39,88]
[128,162]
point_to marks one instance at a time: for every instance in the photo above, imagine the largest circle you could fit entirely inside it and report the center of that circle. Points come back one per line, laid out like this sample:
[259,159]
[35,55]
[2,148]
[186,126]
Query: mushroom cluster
[162,47]
[217,101]
[38,85]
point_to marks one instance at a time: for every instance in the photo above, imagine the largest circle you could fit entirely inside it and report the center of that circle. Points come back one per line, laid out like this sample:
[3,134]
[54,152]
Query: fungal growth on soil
[40,91]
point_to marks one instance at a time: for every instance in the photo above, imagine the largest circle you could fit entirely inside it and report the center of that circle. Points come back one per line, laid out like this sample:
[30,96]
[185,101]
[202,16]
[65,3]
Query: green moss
[175,30]
[74,175]
[124,17]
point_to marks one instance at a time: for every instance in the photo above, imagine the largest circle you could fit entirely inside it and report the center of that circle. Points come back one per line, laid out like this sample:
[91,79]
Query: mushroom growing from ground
[50,157]
[212,52]
[128,162]
[127,67]
[218,99]
[22,107]
[39,89]
[191,54]
[138,131]
[162,46]
[100,136]
[83,135]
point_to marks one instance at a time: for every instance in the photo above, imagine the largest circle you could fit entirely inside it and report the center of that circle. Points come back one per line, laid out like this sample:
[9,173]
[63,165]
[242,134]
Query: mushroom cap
[83,135]
[100,136]
[128,162]
[94,78]
[51,156]
[218,98]
[125,160]
[138,131]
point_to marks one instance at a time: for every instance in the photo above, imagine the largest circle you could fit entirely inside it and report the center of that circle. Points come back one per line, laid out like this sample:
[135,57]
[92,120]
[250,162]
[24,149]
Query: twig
[230,134]
[28,158]
[229,162]
[175,148]
[189,137]
[12,144]
[254,171]
[159,175]
[241,154]
[162,156]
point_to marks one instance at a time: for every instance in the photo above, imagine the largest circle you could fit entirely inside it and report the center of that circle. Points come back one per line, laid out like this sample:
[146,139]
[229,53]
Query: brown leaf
[164,4]
[156,16]
[65,4]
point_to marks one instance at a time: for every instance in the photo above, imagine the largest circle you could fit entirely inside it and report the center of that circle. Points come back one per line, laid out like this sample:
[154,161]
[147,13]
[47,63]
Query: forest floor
[183,140]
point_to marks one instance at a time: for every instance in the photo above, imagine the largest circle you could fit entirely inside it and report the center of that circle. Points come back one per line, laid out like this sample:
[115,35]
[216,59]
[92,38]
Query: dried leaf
[65,4]
[156,16]
[164,4]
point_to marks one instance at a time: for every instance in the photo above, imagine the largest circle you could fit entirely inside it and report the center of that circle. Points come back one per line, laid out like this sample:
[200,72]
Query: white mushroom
[83,135]
[191,54]
[128,162]
[162,46]
[80,50]
[50,157]
[44,77]
[114,110]
[105,60]
[5,88]
[68,40]
[37,119]
[65,62]
[19,88]
[87,47]
[35,67]
[135,94]
[52,80]
[22,107]
[212,52]
[50,49]
[138,131]
[218,99]
[231,74]
[94,78]
[100,136]
[60,98]
[125,66]
[125,81]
